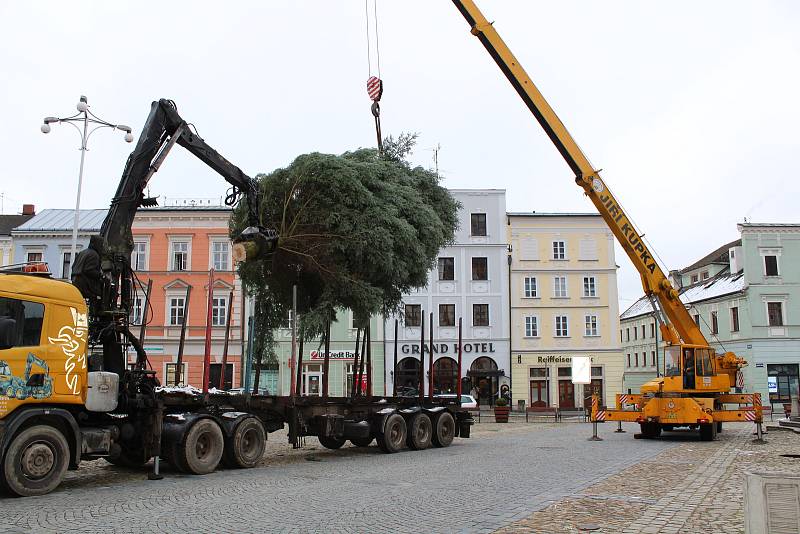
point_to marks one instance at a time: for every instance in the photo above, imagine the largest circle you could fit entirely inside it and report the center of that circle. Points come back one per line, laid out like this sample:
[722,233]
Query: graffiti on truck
[72,339]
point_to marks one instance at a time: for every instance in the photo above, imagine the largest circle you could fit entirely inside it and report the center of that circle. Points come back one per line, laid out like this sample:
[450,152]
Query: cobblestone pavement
[696,487]
[501,475]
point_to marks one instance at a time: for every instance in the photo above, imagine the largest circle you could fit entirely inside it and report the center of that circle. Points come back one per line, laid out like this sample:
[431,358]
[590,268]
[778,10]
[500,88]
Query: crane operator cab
[692,368]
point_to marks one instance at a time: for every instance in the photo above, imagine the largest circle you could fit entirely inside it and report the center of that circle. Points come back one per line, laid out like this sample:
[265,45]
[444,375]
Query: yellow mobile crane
[697,380]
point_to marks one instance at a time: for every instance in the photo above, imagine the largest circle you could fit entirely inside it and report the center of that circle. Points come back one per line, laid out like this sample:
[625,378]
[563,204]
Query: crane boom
[654,280]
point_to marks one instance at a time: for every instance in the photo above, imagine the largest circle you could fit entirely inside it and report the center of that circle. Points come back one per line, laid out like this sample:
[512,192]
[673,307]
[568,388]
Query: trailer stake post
[143,318]
[360,376]
[355,364]
[394,374]
[207,352]
[225,346]
[421,392]
[293,361]
[430,360]
[179,366]
[327,361]
[300,368]
[369,362]
[458,383]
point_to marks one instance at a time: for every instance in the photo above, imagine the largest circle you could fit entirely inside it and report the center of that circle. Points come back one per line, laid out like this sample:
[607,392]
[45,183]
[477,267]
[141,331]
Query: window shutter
[588,249]
[529,249]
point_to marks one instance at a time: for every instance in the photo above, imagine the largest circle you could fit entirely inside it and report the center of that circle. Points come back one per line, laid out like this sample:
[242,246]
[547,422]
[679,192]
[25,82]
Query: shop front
[545,380]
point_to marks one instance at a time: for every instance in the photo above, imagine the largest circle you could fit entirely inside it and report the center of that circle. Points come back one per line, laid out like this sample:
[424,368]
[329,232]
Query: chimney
[28,209]
[736,259]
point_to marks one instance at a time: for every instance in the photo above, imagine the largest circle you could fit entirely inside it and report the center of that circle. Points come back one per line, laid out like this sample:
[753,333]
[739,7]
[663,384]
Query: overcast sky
[690,108]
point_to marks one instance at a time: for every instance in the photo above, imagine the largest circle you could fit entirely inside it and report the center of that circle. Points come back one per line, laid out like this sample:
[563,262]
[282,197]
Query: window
[591,325]
[775,313]
[627,334]
[139,256]
[66,258]
[629,360]
[136,310]
[531,326]
[589,286]
[413,315]
[447,269]
[771,265]
[697,319]
[560,286]
[220,255]
[735,319]
[620,335]
[643,333]
[704,275]
[653,358]
[180,255]
[28,317]
[562,328]
[636,359]
[477,224]
[714,323]
[480,315]
[559,250]
[531,289]
[34,257]
[170,371]
[447,314]
[635,333]
[480,270]
[176,311]
[694,278]
[652,329]
[219,311]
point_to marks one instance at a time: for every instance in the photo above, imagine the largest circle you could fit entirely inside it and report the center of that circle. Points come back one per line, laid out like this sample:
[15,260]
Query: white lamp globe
[82,106]
[129,137]
[45,128]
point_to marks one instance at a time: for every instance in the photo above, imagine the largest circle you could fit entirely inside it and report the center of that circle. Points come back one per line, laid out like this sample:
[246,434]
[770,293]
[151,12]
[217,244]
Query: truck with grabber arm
[84,402]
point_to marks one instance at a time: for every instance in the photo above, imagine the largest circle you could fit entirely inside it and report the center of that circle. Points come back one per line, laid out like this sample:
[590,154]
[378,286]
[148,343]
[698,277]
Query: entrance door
[566,394]
[312,379]
[540,394]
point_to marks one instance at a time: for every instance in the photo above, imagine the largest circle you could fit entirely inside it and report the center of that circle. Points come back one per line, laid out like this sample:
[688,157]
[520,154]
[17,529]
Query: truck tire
[35,461]
[394,434]
[361,442]
[246,446]
[331,443]
[444,430]
[201,451]
[420,432]
[650,430]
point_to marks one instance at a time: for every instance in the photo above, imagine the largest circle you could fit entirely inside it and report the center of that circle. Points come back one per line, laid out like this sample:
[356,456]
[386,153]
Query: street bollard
[156,474]
[595,437]
[619,428]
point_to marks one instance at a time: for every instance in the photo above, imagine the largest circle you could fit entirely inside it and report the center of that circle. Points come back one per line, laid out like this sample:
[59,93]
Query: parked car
[467,401]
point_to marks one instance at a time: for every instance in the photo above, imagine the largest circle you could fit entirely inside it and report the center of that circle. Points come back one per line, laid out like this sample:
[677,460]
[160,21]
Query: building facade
[469,284]
[176,247]
[563,304]
[751,307]
[47,237]
[341,362]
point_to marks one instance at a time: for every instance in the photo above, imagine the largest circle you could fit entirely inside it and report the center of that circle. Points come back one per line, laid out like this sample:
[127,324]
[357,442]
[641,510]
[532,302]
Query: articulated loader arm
[653,279]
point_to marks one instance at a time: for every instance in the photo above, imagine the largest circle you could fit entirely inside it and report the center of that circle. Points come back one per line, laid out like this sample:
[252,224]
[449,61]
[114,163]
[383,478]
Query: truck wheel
[708,431]
[246,447]
[420,432]
[394,434]
[650,430]
[202,450]
[445,430]
[361,442]
[331,443]
[36,461]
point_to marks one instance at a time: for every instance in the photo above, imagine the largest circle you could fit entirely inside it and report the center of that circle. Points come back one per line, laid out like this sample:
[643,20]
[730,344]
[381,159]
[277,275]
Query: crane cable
[374,83]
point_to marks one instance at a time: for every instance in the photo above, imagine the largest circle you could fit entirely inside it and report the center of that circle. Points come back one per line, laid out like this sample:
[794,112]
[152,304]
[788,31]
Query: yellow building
[563,287]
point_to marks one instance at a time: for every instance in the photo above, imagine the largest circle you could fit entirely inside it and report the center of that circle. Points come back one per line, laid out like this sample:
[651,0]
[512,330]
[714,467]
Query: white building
[469,283]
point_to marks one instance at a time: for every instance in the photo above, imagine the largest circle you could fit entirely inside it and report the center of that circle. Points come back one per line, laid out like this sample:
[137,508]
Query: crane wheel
[35,461]
[708,431]
[246,446]
[331,443]
[420,432]
[361,442]
[444,430]
[393,436]
[202,449]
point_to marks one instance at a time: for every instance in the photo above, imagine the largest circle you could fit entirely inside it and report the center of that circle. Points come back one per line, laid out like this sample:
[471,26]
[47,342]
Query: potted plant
[501,410]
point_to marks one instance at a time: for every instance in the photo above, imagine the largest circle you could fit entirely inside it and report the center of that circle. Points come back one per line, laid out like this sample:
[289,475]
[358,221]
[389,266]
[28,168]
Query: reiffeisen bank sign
[560,359]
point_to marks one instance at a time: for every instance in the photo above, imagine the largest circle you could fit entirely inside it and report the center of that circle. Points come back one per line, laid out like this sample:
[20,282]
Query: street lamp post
[87,118]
